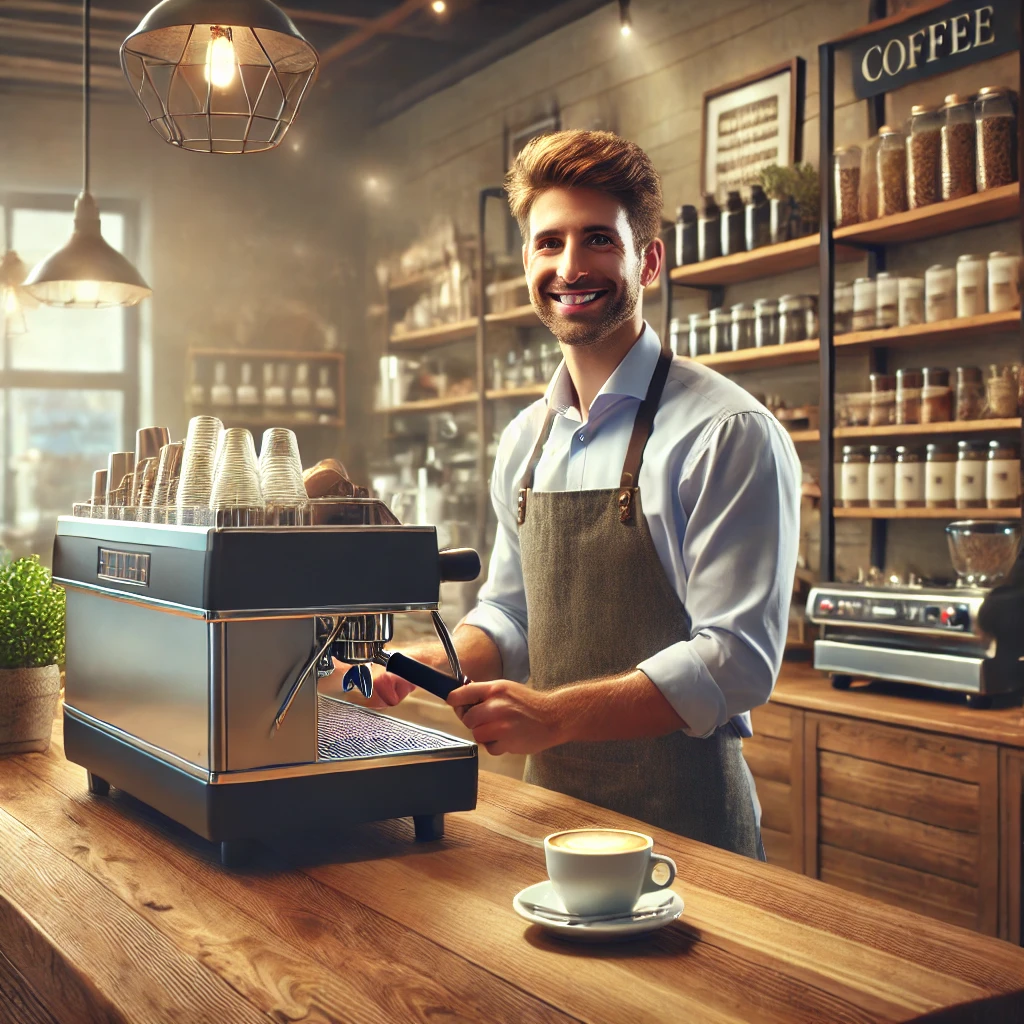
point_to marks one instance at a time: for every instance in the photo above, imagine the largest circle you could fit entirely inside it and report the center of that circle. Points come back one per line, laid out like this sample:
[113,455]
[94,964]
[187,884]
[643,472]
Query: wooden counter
[111,913]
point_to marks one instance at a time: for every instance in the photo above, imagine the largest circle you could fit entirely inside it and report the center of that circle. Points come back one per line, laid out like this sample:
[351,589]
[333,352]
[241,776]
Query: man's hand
[507,717]
[388,689]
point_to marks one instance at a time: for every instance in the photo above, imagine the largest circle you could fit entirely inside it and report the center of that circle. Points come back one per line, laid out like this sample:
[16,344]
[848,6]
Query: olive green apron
[599,603]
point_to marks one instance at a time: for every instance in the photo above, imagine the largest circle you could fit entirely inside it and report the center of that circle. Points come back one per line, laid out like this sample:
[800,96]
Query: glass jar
[869,180]
[221,393]
[757,218]
[1001,387]
[996,137]
[911,301]
[969,489]
[855,476]
[686,235]
[939,477]
[936,395]
[971,284]
[842,307]
[709,230]
[551,356]
[1002,475]
[908,396]
[846,181]
[733,231]
[887,303]
[909,489]
[957,147]
[700,335]
[882,410]
[864,304]
[718,331]
[513,370]
[923,145]
[939,293]
[881,477]
[247,393]
[530,373]
[892,171]
[742,326]
[796,316]
[970,393]
[766,322]
[1003,282]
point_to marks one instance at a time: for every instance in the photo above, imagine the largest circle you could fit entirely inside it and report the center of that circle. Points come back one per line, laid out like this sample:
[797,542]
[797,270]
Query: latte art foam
[599,841]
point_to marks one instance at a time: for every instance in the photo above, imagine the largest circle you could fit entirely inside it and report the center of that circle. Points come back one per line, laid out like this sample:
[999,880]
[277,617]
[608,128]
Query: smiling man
[638,591]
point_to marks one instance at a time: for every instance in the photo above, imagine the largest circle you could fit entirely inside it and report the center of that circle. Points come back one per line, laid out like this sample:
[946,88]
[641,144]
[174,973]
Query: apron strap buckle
[521,507]
[626,505]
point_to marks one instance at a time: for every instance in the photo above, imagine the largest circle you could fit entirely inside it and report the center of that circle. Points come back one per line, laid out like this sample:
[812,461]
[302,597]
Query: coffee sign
[940,40]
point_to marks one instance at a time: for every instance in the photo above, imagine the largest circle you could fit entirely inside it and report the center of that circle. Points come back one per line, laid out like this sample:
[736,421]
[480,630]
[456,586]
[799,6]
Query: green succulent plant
[775,181]
[799,183]
[31,615]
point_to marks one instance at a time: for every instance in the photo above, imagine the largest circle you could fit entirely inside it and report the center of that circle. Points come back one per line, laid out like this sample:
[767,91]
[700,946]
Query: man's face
[581,264]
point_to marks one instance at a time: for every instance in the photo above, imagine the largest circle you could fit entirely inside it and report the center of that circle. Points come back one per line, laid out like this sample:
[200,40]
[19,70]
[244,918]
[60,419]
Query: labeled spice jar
[796,315]
[908,396]
[718,331]
[923,145]
[700,340]
[842,307]
[939,293]
[855,476]
[741,333]
[709,230]
[864,303]
[936,395]
[734,237]
[869,180]
[1001,387]
[887,292]
[1002,475]
[911,301]
[881,477]
[846,179]
[970,393]
[909,489]
[996,125]
[971,284]
[939,477]
[969,489]
[882,409]
[757,218]
[892,171]
[957,147]
[1003,282]
[686,236]
[766,322]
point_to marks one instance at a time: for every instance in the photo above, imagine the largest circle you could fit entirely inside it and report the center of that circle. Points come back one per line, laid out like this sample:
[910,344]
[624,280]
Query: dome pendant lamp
[86,272]
[219,76]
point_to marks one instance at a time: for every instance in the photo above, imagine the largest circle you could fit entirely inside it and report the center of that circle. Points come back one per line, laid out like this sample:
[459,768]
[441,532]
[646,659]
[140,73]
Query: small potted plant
[31,653]
[775,182]
[805,191]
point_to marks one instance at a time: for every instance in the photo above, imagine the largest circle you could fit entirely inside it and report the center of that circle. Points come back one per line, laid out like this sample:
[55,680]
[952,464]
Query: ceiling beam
[36,31]
[352,21]
[57,72]
[71,10]
[378,26]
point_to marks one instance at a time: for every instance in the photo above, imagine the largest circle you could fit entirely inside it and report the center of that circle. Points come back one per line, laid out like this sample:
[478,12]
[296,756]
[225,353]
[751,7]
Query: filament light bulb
[220,58]
[86,293]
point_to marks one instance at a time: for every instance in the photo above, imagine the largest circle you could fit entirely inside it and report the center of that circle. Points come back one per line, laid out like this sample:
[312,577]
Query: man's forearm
[478,654]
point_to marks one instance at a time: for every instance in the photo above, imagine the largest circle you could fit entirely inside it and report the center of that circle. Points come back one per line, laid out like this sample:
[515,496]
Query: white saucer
[543,894]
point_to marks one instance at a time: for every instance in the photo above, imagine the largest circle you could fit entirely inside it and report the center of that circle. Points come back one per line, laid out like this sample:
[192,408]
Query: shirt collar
[630,379]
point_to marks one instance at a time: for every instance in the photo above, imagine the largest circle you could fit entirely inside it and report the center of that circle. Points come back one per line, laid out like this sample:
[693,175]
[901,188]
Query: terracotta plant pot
[28,703]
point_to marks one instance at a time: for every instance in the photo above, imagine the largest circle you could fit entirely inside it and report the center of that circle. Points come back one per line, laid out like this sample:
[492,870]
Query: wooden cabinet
[1011,875]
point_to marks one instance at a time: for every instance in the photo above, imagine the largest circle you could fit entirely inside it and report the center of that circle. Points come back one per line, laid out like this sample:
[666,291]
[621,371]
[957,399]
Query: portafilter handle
[423,676]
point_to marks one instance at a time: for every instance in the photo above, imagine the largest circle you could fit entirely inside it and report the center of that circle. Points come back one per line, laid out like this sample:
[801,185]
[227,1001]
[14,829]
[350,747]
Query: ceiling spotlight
[372,183]
[625,21]
[439,6]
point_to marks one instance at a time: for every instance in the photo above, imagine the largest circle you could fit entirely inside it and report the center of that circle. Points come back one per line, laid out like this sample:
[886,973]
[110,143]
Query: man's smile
[578,298]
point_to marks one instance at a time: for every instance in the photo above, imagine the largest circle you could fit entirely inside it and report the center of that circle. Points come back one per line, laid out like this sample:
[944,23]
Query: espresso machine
[193,654]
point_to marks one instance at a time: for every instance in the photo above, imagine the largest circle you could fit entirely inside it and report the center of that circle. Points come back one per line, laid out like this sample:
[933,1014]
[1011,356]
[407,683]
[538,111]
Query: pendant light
[14,299]
[86,273]
[219,76]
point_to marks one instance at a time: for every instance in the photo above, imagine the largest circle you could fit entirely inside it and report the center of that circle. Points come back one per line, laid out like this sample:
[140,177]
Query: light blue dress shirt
[720,490]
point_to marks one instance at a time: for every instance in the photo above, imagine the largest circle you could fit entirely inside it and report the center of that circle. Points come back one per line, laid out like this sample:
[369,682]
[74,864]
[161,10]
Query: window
[69,387]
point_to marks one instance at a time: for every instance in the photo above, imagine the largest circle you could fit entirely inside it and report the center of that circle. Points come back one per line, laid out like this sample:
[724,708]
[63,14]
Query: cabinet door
[1011,880]
[908,817]
[775,756]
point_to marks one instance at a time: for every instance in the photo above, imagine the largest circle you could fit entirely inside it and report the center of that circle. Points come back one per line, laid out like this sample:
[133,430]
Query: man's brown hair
[580,159]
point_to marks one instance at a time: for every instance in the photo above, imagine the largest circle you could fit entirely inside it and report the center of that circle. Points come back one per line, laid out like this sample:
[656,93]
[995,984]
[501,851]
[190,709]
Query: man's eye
[601,239]
[549,243]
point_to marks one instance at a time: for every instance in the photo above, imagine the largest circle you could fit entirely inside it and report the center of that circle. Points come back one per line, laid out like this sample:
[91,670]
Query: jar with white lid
[911,301]
[766,322]
[939,293]
[939,477]
[855,476]
[742,326]
[971,284]
[1002,475]
[864,304]
[718,331]
[887,290]
[797,318]
[969,489]
[1003,282]
[881,477]
[909,488]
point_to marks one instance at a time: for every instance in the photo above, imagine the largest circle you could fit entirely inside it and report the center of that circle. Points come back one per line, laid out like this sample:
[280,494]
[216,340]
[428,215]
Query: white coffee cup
[603,870]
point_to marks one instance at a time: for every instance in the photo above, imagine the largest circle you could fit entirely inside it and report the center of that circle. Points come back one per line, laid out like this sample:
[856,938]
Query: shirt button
[583,437]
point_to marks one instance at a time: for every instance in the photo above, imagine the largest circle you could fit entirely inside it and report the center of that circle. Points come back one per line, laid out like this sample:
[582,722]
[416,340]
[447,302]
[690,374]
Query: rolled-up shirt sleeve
[740,495]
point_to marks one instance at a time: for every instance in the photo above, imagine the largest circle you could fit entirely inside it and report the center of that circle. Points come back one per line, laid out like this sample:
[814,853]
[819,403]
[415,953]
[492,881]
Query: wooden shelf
[433,336]
[231,417]
[963,327]
[430,405]
[530,391]
[764,262]
[771,355]
[926,513]
[938,219]
[805,436]
[930,429]
[266,353]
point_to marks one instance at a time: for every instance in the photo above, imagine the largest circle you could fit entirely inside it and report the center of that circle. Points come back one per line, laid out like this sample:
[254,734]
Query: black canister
[709,230]
[686,236]
[758,218]
[734,238]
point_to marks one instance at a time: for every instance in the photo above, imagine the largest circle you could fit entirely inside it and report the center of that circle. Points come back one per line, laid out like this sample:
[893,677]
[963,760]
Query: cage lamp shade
[86,272]
[219,76]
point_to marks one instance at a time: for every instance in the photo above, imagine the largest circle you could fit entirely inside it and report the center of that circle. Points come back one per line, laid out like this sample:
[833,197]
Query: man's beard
[581,331]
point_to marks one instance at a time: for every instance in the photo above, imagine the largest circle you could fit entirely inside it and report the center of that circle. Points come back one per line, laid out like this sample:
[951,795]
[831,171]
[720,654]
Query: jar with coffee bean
[939,293]
[796,318]
[1001,387]
[923,144]
[700,341]
[881,477]
[971,284]
[855,477]
[709,230]
[1002,475]
[1003,282]
[686,236]
[718,331]
[887,290]
[908,396]
[957,149]
[939,477]
[882,410]
[869,180]
[969,486]
[864,304]
[757,213]
[846,174]
[911,300]
[996,124]
[742,326]
[970,393]
[892,171]
[734,236]
[766,322]
[909,490]
[936,395]
[842,307]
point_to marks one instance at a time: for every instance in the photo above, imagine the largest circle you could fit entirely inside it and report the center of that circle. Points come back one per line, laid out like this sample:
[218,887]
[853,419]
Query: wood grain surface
[110,912]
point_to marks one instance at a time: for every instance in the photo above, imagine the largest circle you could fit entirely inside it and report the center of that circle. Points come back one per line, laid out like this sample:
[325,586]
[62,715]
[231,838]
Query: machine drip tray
[349,731]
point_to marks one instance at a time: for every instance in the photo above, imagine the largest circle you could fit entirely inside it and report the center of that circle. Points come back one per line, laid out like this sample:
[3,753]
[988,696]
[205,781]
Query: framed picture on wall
[749,124]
